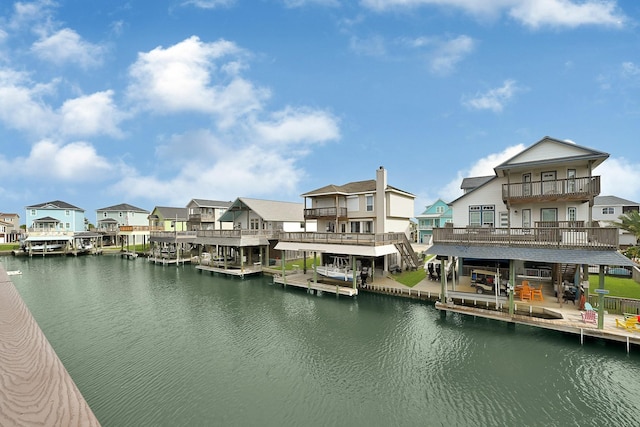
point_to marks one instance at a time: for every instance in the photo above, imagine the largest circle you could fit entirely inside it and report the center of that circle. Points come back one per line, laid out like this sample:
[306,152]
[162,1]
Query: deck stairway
[407,253]
[568,272]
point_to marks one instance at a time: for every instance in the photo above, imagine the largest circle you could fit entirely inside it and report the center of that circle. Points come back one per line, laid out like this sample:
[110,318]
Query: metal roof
[123,207]
[56,204]
[562,256]
[268,210]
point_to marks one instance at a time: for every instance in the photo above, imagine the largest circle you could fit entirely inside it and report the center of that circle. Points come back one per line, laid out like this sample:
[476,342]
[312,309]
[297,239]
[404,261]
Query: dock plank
[35,387]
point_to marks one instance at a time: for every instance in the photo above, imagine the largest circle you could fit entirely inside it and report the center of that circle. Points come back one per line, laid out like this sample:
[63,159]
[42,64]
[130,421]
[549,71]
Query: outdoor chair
[525,293]
[589,315]
[537,293]
[630,324]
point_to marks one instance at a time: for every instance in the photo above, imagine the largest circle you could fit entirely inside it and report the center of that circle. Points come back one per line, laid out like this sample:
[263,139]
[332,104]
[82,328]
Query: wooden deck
[35,388]
[306,281]
[169,261]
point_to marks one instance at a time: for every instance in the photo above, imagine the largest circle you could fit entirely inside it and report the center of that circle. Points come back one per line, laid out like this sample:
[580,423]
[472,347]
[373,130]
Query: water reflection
[151,345]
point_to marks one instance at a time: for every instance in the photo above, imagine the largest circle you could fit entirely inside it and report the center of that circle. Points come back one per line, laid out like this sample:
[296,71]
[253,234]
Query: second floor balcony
[325,213]
[570,189]
[561,237]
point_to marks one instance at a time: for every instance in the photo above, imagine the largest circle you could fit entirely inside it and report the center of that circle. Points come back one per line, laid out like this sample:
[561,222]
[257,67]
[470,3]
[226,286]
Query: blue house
[434,216]
[54,217]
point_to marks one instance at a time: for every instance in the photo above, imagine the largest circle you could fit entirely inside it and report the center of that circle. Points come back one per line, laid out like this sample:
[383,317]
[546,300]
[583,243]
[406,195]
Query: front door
[549,182]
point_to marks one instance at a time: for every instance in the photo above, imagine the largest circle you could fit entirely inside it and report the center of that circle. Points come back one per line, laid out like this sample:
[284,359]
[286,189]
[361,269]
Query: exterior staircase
[409,257]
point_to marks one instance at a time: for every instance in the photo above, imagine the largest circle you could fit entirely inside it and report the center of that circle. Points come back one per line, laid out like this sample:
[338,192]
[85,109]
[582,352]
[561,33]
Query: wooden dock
[169,261]
[306,281]
[232,271]
[35,388]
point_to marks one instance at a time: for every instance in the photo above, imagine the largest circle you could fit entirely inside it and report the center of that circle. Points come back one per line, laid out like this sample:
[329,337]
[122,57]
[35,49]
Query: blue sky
[155,103]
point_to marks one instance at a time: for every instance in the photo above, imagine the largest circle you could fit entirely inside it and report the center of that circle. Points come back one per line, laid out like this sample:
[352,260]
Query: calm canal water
[165,346]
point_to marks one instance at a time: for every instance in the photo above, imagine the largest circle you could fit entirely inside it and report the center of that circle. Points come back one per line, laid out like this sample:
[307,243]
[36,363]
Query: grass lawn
[617,286]
[410,278]
[9,246]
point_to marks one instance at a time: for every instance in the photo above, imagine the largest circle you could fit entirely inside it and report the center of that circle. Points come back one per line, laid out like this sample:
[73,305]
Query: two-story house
[205,214]
[9,227]
[366,220]
[533,219]
[57,226]
[126,221]
[608,209]
[435,215]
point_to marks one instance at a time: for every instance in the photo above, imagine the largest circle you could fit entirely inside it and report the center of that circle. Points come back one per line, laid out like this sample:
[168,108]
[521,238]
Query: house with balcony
[56,226]
[205,215]
[368,222]
[10,228]
[533,220]
[608,209]
[435,215]
[125,223]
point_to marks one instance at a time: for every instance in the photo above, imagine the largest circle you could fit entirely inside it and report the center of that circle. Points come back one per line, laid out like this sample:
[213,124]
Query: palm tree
[629,222]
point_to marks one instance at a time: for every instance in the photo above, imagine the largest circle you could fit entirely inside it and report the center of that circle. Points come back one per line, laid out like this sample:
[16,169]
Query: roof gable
[56,204]
[123,207]
[268,210]
[204,203]
[167,213]
[613,201]
[550,150]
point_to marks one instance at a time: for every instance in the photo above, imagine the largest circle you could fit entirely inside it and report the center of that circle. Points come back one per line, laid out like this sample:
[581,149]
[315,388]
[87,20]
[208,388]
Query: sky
[155,103]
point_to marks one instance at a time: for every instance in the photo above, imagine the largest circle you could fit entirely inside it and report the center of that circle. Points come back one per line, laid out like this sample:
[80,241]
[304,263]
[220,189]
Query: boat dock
[232,271]
[323,284]
[35,387]
[169,261]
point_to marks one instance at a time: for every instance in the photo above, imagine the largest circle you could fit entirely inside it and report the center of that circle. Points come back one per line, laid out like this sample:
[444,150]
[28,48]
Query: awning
[371,251]
[561,256]
[48,238]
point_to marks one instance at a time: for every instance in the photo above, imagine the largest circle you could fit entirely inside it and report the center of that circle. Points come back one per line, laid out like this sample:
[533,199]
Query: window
[67,226]
[368,226]
[254,224]
[482,216]
[439,209]
[369,198]
[104,214]
[549,215]
[67,213]
[33,212]
[504,219]
[571,180]
[355,227]
[526,218]
[571,214]
[120,214]
[607,211]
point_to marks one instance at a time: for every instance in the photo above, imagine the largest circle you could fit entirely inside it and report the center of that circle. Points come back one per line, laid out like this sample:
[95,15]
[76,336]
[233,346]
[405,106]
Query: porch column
[443,275]
[511,286]
[353,269]
[601,298]
[241,259]
[315,271]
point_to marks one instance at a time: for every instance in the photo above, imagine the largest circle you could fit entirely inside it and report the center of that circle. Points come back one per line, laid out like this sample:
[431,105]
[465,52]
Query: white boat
[40,248]
[14,273]
[340,269]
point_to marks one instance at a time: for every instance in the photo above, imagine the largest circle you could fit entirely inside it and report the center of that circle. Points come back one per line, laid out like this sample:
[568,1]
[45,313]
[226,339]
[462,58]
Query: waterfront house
[205,215]
[608,209]
[124,221]
[435,215]
[532,221]
[11,231]
[368,221]
[57,226]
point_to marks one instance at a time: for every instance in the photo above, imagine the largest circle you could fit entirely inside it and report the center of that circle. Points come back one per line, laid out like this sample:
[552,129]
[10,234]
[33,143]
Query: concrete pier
[35,388]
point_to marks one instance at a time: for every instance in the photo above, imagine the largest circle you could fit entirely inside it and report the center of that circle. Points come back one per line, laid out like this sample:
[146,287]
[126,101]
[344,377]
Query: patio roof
[562,256]
[373,251]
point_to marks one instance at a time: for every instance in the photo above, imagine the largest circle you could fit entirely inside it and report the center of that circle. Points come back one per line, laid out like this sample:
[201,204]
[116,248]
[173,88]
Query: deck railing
[331,212]
[570,188]
[176,234]
[559,237]
[237,233]
[360,239]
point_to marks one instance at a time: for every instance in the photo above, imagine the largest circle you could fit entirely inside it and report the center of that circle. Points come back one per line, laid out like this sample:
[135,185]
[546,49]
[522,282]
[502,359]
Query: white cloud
[298,126]
[482,167]
[73,162]
[531,13]
[186,77]
[449,53]
[209,4]
[21,105]
[619,178]
[494,99]
[630,70]
[93,114]
[66,46]
[31,15]
[302,3]
[565,13]
[221,171]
